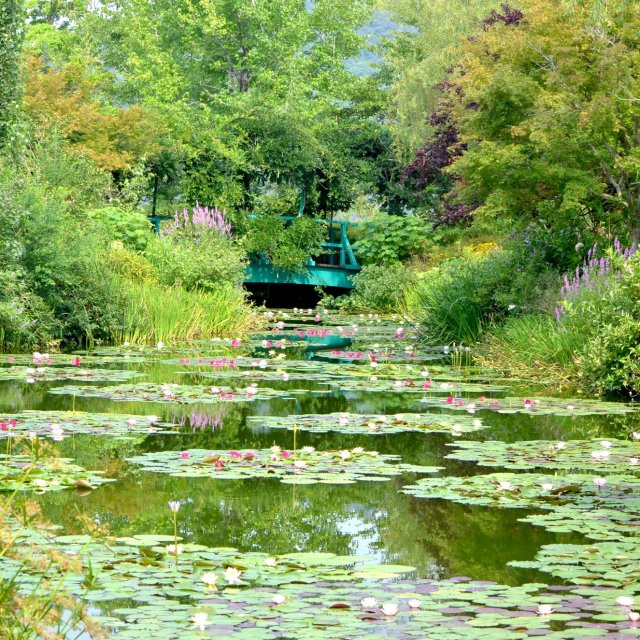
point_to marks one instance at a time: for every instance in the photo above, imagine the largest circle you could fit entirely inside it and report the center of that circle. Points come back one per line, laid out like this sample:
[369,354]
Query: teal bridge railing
[333,267]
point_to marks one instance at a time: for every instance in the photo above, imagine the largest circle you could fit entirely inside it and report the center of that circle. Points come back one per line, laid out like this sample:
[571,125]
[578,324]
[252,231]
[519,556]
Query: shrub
[380,288]
[198,252]
[131,265]
[287,245]
[467,294]
[131,228]
[386,239]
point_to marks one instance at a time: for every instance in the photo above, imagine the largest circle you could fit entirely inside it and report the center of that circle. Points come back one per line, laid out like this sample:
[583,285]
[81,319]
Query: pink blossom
[184,455]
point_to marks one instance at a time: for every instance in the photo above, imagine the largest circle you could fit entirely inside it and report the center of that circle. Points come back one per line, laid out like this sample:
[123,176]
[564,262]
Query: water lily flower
[471,408]
[232,575]
[57,432]
[414,604]
[184,455]
[299,464]
[200,621]
[449,400]
[374,364]
[600,482]
[174,550]
[285,454]
[369,603]
[634,461]
[280,325]
[605,444]
[278,598]
[633,616]
[477,423]
[389,609]
[625,601]
[132,422]
[570,407]
[308,449]
[33,436]
[600,455]
[345,454]
[275,449]
[456,430]
[235,454]
[29,380]
[545,609]
[174,505]
[210,579]
[357,450]
[635,435]
[504,485]
[527,404]
[160,345]
[547,486]
[561,445]
[270,562]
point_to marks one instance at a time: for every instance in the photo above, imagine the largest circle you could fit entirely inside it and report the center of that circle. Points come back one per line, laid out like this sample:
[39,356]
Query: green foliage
[286,244]
[159,314]
[131,228]
[465,295]
[131,265]
[380,288]
[11,35]
[212,263]
[385,239]
[610,361]
[546,106]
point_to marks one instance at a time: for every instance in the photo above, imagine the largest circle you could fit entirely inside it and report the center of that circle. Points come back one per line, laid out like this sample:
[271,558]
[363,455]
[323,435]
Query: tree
[11,35]
[548,109]
[257,95]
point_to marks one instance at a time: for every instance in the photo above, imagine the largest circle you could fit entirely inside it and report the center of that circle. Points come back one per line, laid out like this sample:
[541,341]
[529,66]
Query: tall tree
[11,35]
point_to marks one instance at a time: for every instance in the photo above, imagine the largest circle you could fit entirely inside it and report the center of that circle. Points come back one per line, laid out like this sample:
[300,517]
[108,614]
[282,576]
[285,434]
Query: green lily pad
[301,467]
[51,374]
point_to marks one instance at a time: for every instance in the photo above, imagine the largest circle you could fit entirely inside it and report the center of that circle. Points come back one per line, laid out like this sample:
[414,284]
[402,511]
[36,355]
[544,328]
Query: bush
[197,251]
[380,288]
[131,228]
[467,294]
[131,265]
[287,245]
[387,239]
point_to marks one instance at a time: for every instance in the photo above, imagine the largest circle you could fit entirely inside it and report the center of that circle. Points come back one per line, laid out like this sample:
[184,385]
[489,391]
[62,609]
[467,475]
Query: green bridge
[334,267]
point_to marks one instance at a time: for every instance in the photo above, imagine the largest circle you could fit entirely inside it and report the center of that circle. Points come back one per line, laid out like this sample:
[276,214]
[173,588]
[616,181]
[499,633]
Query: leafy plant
[131,228]
[386,239]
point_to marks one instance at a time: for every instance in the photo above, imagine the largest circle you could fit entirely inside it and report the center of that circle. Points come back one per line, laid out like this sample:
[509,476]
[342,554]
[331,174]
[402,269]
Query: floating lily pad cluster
[532,406]
[372,424]
[23,473]
[50,374]
[600,456]
[146,587]
[57,425]
[177,394]
[408,385]
[306,466]
[70,360]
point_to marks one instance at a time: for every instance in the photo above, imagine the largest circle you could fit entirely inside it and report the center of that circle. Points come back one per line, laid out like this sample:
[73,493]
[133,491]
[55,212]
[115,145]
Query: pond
[238,435]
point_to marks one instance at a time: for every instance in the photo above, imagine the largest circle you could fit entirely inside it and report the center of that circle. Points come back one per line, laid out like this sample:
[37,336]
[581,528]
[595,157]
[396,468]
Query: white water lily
[174,550]
[625,601]
[599,482]
[275,449]
[389,609]
[210,579]
[232,575]
[545,609]
[605,444]
[547,486]
[278,598]
[634,616]
[132,422]
[634,461]
[200,621]
[415,604]
[345,454]
[357,450]
[299,464]
[504,485]
[635,435]
[561,445]
[160,345]
[308,449]
[477,423]
[270,562]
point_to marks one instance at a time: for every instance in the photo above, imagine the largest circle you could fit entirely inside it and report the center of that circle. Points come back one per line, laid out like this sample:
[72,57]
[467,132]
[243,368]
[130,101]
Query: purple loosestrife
[200,221]
[594,273]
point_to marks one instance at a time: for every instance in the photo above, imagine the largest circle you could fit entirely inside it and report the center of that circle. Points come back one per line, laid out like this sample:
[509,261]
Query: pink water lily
[184,455]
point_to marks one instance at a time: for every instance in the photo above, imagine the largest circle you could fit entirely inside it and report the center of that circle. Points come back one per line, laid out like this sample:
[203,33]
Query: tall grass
[536,346]
[168,314]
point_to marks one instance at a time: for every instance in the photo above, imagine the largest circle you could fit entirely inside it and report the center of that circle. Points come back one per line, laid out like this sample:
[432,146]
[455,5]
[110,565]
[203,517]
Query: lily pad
[371,423]
[299,467]
[51,374]
[177,394]
[24,473]
[59,424]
